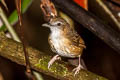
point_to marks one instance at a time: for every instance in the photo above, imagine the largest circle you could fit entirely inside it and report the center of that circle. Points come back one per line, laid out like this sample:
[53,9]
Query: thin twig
[24,42]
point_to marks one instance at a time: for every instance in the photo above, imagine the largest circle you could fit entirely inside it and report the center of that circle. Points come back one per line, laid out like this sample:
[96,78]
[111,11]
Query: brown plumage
[64,41]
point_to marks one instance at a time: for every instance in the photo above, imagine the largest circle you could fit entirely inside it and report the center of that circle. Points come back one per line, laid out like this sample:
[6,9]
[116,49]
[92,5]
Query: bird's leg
[56,57]
[79,67]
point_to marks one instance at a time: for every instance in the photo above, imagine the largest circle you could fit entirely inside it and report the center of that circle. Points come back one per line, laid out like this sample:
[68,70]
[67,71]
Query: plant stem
[9,27]
[11,30]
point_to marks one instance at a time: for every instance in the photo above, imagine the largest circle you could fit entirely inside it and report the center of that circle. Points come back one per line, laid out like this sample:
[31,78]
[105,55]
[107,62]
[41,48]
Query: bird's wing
[75,38]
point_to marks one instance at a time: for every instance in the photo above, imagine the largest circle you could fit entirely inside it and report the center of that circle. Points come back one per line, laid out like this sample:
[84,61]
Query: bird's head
[58,23]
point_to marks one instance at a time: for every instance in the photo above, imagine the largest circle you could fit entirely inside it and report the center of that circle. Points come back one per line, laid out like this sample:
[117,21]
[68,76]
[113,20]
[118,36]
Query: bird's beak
[46,25]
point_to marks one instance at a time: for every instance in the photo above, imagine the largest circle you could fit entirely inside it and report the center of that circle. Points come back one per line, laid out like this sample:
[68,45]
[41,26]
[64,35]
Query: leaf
[82,3]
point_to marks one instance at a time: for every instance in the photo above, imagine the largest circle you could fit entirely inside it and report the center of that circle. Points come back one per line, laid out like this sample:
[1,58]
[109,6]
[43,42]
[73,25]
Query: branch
[14,51]
[92,23]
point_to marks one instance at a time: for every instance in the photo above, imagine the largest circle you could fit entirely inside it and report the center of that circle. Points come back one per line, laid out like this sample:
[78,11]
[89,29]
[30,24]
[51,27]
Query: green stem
[9,27]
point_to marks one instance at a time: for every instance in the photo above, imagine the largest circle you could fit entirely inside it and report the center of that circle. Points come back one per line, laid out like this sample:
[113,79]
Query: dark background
[99,58]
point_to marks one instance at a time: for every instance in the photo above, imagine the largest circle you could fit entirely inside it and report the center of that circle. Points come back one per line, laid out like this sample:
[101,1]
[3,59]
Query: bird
[64,41]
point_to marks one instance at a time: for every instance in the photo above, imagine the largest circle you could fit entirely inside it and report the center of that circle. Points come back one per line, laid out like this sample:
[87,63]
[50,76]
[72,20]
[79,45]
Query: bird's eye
[59,24]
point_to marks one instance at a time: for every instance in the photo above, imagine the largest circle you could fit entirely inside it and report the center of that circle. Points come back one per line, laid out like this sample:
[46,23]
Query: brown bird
[64,41]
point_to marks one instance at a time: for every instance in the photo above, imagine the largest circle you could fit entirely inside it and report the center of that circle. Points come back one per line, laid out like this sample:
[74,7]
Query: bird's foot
[77,69]
[56,57]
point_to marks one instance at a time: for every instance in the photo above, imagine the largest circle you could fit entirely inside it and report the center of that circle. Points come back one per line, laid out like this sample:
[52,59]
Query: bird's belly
[61,47]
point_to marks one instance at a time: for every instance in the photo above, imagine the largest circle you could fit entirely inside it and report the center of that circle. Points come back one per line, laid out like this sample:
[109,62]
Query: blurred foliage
[13,18]
[3,2]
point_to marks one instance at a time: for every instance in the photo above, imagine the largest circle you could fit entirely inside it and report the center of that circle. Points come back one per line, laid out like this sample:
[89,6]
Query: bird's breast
[62,45]
[57,39]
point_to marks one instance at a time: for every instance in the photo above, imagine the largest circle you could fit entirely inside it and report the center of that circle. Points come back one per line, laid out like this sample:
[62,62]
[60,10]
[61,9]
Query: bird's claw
[53,60]
[77,69]
[49,64]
